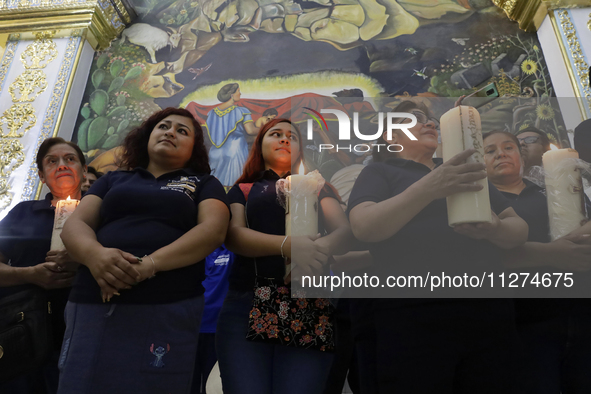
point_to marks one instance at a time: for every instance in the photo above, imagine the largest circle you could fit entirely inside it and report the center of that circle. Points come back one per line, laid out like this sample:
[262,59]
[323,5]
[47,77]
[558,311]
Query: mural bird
[420,73]
[412,51]
[460,41]
[199,71]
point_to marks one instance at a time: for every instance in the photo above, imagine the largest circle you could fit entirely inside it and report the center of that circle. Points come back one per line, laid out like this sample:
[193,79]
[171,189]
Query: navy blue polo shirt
[532,205]
[25,239]
[426,243]
[140,214]
[264,214]
[25,235]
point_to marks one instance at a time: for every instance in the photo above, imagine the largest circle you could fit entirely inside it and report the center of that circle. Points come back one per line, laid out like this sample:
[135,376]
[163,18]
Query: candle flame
[68,199]
[301,170]
[553,147]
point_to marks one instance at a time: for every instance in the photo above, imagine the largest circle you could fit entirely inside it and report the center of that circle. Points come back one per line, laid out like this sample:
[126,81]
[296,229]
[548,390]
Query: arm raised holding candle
[374,222]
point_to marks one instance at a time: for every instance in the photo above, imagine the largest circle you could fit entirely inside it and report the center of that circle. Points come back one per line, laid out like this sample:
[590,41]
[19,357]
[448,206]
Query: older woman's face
[425,131]
[502,158]
[63,173]
[172,141]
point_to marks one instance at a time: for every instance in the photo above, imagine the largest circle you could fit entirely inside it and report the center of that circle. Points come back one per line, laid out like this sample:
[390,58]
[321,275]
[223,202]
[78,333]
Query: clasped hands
[115,270]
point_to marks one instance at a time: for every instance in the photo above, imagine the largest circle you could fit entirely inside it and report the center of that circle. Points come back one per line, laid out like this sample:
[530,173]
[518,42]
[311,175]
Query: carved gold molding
[11,156]
[576,64]
[531,13]
[104,19]
[55,109]
[28,86]
[41,52]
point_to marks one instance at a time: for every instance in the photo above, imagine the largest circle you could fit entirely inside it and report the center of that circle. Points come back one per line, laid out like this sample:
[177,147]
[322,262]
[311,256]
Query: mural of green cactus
[106,115]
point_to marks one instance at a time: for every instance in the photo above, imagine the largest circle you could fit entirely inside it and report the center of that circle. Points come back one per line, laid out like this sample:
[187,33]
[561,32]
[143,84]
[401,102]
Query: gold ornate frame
[103,19]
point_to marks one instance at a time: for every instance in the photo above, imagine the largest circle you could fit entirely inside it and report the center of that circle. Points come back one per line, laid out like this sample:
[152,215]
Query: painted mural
[237,64]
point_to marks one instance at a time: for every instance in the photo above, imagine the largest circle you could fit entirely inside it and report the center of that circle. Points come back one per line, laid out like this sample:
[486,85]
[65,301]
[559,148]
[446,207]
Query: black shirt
[264,214]
[532,205]
[426,243]
[25,236]
[141,214]
[25,239]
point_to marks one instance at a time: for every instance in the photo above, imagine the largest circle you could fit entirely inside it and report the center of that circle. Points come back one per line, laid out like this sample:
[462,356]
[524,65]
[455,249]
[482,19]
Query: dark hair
[513,138]
[226,92]
[270,111]
[255,162]
[135,146]
[583,140]
[544,137]
[405,106]
[48,143]
[93,171]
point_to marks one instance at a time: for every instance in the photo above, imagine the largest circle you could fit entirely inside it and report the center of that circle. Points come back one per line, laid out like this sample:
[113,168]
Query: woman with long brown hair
[133,317]
[257,236]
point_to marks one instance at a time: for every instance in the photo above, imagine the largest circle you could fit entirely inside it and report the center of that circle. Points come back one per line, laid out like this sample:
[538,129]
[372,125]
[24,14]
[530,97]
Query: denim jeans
[248,367]
[119,348]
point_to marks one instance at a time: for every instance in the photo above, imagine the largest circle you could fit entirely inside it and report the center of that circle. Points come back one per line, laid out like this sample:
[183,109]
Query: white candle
[63,210]
[301,209]
[461,130]
[564,191]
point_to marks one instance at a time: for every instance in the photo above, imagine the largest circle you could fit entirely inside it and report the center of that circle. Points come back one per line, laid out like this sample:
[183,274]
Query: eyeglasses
[529,140]
[422,118]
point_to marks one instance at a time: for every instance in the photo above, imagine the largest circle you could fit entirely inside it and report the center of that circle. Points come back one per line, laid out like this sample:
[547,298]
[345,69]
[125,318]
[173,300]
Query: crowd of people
[153,249]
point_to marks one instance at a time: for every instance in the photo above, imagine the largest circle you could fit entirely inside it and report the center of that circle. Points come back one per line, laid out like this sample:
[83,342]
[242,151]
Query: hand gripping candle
[63,210]
[564,191]
[461,130]
[301,203]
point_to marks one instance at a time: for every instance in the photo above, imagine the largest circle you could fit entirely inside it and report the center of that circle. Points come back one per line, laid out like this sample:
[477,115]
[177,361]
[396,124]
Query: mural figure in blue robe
[227,126]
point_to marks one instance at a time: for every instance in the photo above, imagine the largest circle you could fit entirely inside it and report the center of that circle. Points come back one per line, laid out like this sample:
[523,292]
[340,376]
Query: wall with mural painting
[236,64]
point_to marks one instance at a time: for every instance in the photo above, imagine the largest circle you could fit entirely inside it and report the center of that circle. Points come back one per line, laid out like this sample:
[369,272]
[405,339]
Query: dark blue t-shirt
[264,214]
[140,214]
[217,271]
[426,243]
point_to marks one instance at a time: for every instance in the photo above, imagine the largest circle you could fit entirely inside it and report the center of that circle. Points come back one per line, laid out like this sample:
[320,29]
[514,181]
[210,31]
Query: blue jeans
[118,348]
[260,368]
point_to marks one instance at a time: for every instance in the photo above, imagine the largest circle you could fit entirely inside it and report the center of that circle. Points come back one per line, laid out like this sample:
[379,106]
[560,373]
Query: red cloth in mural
[284,107]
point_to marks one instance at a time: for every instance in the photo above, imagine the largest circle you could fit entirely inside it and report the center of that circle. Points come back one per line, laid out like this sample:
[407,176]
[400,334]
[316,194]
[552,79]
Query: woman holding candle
[25,239]
[257,236]
[398,206]
[556,333]
[141,237]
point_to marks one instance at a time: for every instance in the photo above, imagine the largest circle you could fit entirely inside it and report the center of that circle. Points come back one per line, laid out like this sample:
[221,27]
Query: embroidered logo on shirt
[222,260]
[184,184]
[159,352]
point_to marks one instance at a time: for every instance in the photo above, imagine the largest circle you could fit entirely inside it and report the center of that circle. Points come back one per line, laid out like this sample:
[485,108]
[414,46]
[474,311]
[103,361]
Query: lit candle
[301,207]
[302,202]
[461,130]
[63,210]
[564,191]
